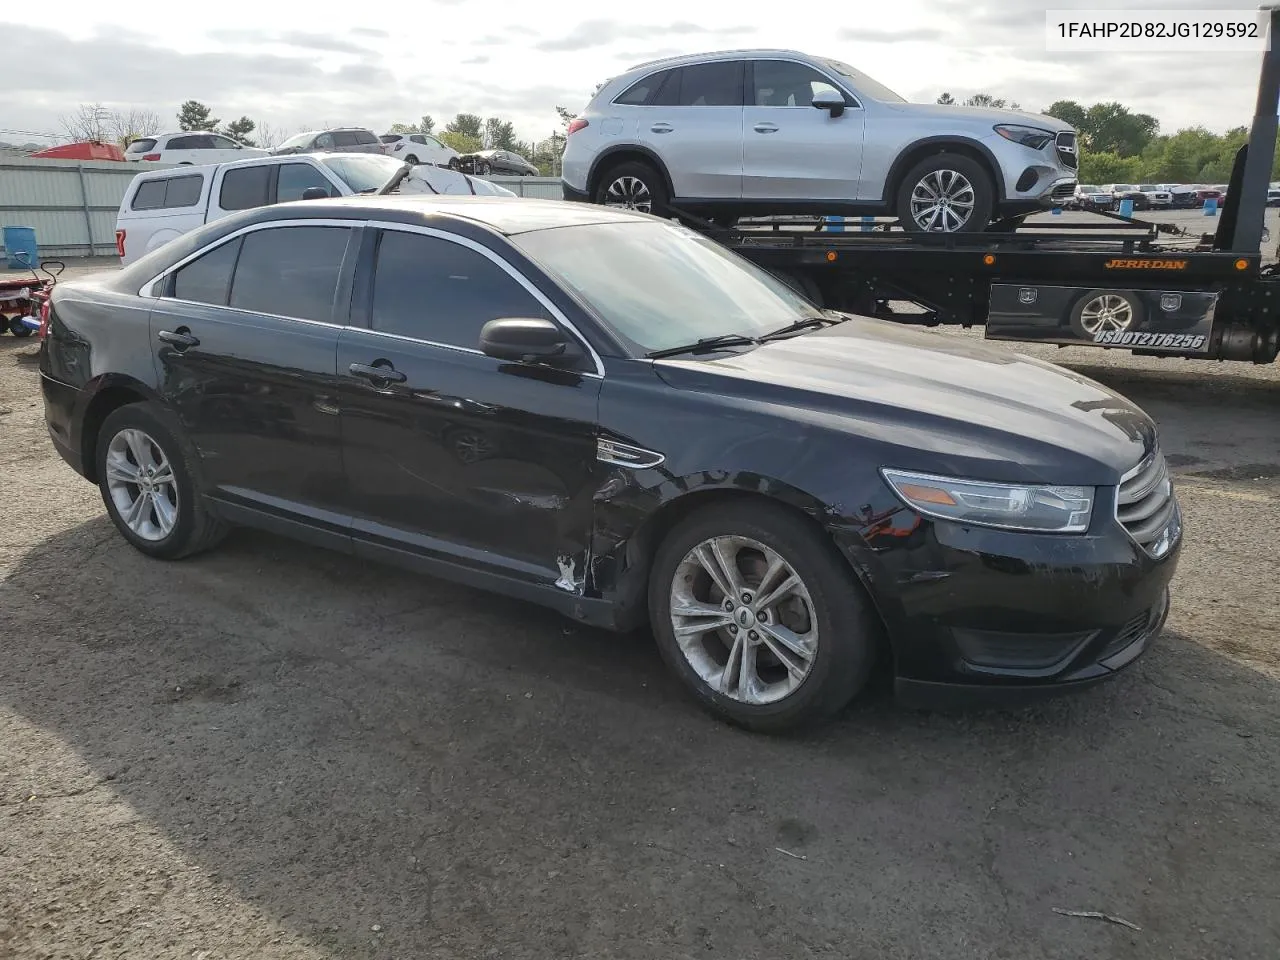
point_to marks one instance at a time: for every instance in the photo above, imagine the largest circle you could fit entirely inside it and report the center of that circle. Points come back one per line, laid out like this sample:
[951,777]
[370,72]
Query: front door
[792,150]
[451,454]
[694,123]
[244,342]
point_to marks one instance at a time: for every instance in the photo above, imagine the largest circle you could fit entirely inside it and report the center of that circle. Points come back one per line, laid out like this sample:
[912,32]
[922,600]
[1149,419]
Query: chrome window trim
[147,289]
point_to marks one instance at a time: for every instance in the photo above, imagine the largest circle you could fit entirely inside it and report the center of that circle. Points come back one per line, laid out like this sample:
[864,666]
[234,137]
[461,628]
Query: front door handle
[181,338]
[376,373]
[766,128]
[661,128]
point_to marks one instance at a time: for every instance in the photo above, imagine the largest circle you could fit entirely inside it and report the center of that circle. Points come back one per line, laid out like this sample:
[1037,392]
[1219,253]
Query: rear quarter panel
[96,334]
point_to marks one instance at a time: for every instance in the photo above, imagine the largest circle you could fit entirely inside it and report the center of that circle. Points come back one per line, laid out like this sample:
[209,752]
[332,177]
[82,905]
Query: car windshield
[298,140]
[864,84]
[660,285]
[1148,186]
[364,173]
[1122,187]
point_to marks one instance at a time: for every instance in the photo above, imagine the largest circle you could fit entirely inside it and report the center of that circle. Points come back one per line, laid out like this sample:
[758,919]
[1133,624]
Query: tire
[18,328]
[633,186]
[932,172]
[844,643]
[1122,318]
[145,428]
[483,169]
[411,160]
[453,163]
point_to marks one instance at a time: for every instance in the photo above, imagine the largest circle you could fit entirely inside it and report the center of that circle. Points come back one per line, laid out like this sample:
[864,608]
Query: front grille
[1146,507]
[1064,191]
[1127,634]
[1068,150]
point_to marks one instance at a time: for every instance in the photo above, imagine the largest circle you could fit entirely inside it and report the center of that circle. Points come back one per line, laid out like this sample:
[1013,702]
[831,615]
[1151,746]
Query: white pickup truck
[160,205]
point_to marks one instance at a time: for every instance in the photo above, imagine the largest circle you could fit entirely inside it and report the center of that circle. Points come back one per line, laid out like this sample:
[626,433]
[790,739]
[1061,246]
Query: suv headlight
[1032,137]
[1008,506]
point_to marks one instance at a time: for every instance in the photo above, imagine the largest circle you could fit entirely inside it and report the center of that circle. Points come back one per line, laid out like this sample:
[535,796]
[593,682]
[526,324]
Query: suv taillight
[575,126]
[120,244]
[151,156]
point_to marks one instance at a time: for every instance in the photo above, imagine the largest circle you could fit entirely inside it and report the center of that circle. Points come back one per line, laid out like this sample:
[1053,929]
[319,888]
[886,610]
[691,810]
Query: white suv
[418,148]
[191,147]
[749,132]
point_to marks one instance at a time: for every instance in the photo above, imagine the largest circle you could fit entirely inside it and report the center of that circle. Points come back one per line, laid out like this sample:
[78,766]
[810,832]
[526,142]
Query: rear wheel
[946,193]
[633,186]
[760,618]
[148,485]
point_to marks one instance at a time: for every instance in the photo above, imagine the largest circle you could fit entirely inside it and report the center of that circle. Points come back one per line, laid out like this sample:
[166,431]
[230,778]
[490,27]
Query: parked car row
[196,147]
[1145,196]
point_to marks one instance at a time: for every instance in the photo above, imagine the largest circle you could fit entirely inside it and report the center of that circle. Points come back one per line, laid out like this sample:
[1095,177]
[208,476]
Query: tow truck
[1111,282]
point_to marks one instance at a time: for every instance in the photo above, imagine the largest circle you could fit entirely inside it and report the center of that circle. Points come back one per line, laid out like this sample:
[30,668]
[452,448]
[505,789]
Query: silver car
[336,140]
[749,132]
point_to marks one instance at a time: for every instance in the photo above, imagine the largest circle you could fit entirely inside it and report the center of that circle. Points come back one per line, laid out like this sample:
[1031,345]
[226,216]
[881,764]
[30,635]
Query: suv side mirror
[831,101]
[523,340]
[315,193]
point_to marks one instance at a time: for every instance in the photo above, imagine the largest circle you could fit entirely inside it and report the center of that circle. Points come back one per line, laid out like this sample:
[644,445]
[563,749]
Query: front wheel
[757,614]
[148,485]
[946,193]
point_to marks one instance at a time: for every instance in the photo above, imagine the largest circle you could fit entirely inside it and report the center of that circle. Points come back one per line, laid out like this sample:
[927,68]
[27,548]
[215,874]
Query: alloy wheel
[942,201]
[141,484]
[744,620]
[1106,313]
[630,193]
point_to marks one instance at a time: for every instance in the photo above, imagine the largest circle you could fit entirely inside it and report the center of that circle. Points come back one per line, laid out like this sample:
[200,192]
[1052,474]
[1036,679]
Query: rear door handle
[766,128]
[180,338]
[661,128]
[376,373]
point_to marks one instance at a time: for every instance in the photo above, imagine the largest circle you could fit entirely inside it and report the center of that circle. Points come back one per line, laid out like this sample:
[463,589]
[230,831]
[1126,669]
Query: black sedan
[613,416]
[501,163]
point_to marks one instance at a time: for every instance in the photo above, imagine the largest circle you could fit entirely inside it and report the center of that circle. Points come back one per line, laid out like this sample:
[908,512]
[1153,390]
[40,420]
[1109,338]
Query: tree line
[1118,145]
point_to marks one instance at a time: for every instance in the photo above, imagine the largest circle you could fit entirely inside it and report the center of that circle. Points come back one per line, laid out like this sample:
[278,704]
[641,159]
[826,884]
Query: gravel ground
[273,751]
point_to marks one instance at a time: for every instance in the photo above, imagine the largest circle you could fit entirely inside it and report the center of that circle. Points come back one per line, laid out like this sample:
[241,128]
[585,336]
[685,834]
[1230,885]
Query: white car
[418,148]
[1158,195]
[192,147]
[163,204]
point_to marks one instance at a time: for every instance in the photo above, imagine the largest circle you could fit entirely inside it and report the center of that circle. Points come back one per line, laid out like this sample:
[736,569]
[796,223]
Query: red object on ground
[85,150]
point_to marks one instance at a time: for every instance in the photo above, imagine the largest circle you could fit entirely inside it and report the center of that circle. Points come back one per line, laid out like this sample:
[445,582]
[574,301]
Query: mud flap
[1161,321]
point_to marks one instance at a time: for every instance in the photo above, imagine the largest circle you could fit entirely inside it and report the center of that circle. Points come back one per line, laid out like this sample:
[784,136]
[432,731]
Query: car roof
[188,168]
[505,215]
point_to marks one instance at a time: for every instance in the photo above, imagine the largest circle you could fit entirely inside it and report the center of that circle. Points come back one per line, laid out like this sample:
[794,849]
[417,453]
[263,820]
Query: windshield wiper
[706,343]
[804,324]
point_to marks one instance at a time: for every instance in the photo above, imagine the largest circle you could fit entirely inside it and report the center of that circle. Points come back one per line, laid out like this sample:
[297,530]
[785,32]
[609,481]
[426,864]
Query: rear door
[693,122]
[183,149]
[791,150]
[244,338]
[224,150]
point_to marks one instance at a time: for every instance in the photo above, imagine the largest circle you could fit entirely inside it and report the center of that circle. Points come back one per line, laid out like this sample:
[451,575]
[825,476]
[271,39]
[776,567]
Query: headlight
[1032,137]
[1009,506]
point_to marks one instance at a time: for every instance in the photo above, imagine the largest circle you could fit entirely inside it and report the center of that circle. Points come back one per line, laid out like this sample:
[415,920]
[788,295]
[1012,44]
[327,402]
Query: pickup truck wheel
[945,193]
[633,186]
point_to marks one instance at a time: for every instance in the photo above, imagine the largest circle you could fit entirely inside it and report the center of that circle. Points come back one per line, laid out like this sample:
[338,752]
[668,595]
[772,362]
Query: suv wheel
[760,618]
[946,193]
[148,485]
[633,186]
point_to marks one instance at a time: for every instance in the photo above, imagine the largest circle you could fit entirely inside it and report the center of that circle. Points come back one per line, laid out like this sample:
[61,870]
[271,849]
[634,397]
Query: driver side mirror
[315,193]
[523,340]
[831,101]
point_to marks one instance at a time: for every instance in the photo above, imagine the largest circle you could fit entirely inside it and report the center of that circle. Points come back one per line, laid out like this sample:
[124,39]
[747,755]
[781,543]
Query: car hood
[945,402]
[985,116]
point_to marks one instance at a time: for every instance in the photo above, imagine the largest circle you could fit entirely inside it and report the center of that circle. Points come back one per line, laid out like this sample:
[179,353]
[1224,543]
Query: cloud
[907,35]
[599,33]
[475,60]
[646,56]
[490,41]
[301,39]
[370,32]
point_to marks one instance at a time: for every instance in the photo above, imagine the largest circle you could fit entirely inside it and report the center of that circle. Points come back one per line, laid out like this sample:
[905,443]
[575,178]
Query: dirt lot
[273,751]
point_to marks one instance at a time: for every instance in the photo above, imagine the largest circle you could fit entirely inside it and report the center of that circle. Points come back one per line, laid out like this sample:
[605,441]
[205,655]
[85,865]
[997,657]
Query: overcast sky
[297,64]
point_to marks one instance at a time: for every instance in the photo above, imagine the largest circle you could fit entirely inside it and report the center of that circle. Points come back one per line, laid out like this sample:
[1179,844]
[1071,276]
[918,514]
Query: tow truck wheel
[1106,311]
[945,193]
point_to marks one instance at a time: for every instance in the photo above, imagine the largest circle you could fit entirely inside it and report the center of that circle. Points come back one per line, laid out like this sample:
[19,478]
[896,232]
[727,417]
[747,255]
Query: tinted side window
[641,91]
[141,146]
[295,178]
[181,143]
[418,138]
[781,83]
[245,188]
[183,191]
[712,85]
[208,278]
[222,143]
[437,290]
[290,271]
[364,136]
[149,196]
[344,138]
[668,92]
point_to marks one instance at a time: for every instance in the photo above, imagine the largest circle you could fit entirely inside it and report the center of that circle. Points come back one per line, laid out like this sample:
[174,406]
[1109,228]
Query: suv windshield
[660,286]
[862,83]
[363,174]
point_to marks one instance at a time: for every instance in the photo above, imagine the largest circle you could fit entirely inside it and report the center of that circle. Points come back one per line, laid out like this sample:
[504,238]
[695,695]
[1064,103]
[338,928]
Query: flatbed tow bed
[1113,282]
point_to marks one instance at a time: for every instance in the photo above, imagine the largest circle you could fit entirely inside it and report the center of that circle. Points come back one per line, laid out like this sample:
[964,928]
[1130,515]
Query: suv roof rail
[717,53]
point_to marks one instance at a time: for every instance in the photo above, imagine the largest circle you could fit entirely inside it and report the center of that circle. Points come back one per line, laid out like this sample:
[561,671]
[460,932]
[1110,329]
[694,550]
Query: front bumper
[982,615]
